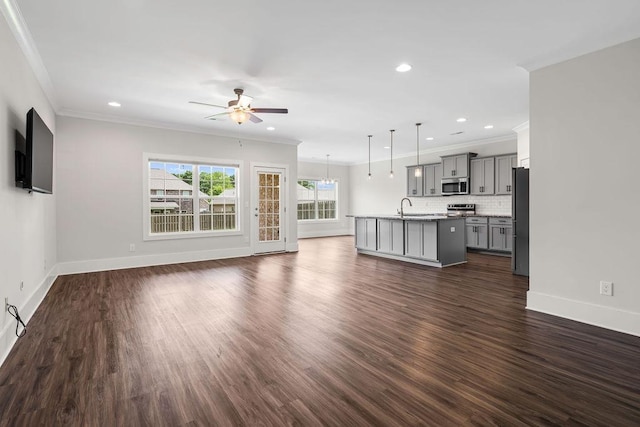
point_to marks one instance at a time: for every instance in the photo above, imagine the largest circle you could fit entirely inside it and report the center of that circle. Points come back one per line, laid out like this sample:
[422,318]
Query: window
[191,198]
[317,200]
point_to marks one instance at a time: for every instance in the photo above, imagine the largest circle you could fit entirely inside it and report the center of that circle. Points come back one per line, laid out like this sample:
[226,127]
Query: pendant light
[391,157]
[370,155]
[418,169]
[327,180]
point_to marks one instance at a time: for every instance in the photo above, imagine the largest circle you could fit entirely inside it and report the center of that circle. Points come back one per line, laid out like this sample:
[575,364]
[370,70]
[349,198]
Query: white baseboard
[322,233]
[292,247]
[8,336]
[615,319]
[149,260]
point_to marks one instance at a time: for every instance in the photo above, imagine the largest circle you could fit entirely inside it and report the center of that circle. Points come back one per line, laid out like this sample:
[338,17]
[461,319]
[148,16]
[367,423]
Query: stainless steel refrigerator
[520,215]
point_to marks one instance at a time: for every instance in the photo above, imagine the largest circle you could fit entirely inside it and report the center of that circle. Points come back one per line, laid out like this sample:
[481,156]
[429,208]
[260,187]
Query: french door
[268,219]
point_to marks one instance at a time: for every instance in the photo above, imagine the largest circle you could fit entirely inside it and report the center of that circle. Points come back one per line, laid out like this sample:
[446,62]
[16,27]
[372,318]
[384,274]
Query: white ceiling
[330,62]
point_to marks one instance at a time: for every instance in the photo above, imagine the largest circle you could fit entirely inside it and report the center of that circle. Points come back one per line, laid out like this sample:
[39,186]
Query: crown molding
[521,127]
[65,112]
[315,160]
[18,26]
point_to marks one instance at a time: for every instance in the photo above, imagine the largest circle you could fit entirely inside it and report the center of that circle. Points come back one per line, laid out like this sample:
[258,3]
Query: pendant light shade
[418,170]
[369,156]
[391,157]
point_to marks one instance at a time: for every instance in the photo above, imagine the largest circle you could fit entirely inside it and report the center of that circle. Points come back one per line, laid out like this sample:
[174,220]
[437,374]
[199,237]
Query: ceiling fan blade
[270,110]
[208,105]
[217,116]
[254,119]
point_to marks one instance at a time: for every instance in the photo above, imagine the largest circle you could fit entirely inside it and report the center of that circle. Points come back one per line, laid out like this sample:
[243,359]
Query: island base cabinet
[391,236]
[366,233]
[421,240]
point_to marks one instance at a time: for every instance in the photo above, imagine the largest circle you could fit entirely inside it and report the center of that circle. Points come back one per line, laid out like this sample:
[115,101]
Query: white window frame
[196,161]
[317,220]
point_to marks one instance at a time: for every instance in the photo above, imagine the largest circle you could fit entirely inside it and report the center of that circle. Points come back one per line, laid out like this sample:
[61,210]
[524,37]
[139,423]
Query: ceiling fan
[240,109]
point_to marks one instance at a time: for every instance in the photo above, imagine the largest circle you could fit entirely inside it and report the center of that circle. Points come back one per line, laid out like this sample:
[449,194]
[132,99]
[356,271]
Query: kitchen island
[433,240]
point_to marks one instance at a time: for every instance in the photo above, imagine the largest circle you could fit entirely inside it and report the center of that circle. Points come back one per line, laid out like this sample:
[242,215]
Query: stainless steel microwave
[451,186]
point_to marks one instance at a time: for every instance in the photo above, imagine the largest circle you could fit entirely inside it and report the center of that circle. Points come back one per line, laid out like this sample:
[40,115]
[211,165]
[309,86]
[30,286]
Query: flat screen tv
[34,156]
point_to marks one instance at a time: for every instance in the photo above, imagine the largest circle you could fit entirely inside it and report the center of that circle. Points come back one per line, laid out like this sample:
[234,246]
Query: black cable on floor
[13,310]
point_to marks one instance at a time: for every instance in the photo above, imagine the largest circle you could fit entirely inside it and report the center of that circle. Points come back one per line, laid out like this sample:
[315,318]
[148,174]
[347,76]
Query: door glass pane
[268,207]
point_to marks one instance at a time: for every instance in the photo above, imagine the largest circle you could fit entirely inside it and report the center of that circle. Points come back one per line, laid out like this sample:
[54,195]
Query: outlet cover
[606,288]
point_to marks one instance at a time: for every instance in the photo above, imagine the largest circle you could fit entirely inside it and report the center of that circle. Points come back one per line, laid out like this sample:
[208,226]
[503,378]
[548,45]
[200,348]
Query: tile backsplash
[485,205]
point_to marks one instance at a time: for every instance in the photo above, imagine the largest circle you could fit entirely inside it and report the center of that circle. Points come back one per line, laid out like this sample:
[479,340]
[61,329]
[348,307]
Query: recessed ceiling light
[387,147]
[488,127]
[403,68]
[430,138]
[271,128]
[461,120]
[114,104]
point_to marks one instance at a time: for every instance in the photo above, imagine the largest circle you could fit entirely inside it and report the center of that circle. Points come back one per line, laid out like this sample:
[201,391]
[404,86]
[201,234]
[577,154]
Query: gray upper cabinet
[414,183]
[432,179]
[455,166]
[504,164]
[482,176]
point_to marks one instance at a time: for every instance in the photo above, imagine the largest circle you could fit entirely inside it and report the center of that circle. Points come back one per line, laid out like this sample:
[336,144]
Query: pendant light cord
[391,172]
[370,155]
[418,143]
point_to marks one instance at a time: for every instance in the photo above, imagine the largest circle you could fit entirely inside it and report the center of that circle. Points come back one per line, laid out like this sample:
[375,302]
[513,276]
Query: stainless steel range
[461,209]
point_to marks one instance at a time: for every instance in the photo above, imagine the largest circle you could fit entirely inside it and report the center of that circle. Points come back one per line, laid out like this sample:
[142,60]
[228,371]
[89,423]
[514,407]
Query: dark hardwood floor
[319,337]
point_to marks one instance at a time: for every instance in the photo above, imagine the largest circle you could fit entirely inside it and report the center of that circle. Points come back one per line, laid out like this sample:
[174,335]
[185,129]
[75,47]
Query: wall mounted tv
[34,156]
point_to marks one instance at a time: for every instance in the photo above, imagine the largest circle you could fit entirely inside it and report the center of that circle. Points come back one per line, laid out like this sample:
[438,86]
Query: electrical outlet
[606,288]
[132,247]
[21,285]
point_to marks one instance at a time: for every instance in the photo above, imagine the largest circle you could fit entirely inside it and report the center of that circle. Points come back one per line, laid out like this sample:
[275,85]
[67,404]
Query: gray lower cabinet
[366,233]
[504,164]
[500,234]
[421,239]
[477,233]
[414,183]
[391,236]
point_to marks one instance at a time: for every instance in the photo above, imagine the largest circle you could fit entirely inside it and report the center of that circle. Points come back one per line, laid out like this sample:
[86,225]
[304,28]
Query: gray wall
[585,146]
[318,171]
[100,197]
[27,221]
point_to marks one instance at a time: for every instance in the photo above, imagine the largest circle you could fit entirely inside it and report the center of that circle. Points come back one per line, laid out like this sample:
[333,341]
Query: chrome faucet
[401,205]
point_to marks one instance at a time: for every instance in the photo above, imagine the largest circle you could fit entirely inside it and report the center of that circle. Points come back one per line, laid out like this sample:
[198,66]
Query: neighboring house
[171,195]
